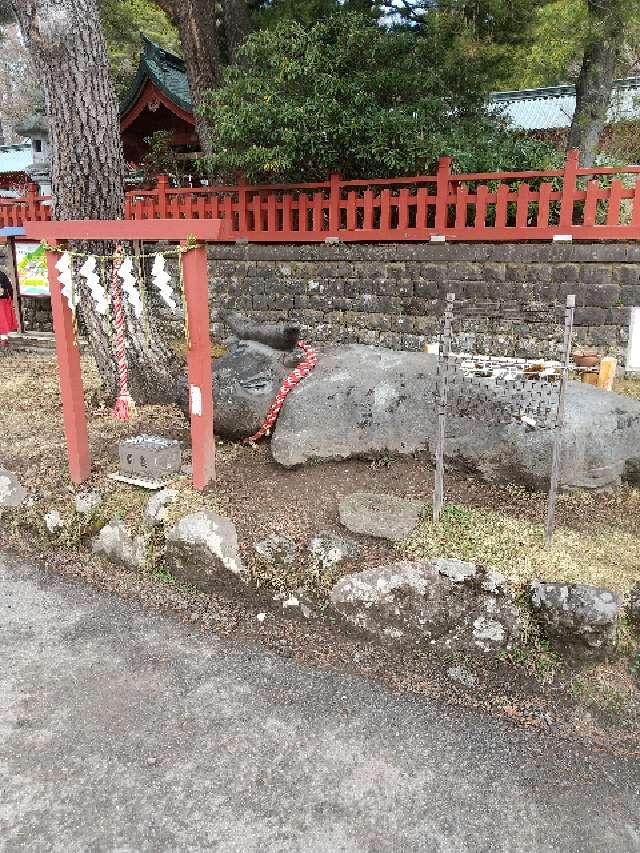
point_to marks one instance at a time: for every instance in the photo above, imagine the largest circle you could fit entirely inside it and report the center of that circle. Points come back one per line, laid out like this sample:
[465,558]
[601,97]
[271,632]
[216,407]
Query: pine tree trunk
[595,81]
[196,24]
[236,26]
[67,45]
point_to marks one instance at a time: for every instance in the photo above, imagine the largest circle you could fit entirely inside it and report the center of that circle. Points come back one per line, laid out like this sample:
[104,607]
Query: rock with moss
[202,549]
[384,516]
[277,563]
[451,604]
[580,620]
[157,509]
[53,521]
[87,503]
[116,542]
[328,550]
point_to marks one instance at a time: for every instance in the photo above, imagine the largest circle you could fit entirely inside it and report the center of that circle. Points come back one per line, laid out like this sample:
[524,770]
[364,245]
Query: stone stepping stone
[384,516]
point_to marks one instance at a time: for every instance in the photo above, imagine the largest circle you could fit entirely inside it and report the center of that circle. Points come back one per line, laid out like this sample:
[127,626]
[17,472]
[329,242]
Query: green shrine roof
[164,69]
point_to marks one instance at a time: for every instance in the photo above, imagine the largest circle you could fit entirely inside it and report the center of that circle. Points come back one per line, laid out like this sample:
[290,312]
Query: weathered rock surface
[366,401]
[116,542]
[87,503]
[384,516]
[11,492]
[276,335]
[245,382]
[202,549]
[461,675]
[277,550]
[580,620]
[329,550]
[449,603]
[53,521]
[156,510]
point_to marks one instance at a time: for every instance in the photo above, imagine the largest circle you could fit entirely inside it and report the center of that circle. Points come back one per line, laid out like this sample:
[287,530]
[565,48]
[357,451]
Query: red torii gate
[199,371]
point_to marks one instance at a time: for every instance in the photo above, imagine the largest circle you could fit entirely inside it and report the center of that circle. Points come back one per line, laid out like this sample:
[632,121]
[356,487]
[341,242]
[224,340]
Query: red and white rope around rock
[124,401]
[297,375]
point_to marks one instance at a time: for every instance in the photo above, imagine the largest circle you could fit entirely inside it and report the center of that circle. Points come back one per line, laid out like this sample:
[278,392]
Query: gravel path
[125,731]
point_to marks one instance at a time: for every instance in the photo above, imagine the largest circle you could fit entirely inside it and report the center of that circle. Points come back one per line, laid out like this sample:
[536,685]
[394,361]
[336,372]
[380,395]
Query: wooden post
[334,204]
[607,373]
[569,189]
[13,275]
[71,390]
[199,371]
[162,185]
[557,432]
[442,194]
[441,400]
[242,207]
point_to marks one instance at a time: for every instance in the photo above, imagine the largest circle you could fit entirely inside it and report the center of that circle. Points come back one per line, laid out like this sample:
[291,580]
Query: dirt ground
[532,686]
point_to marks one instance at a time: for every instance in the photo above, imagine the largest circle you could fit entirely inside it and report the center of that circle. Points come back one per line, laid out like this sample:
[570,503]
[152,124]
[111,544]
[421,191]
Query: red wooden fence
[584,204]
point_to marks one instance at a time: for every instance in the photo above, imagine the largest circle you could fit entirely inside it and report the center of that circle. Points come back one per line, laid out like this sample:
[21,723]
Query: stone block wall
[393,294]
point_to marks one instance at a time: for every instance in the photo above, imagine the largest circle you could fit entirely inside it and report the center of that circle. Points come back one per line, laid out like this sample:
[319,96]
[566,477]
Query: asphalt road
[123,731]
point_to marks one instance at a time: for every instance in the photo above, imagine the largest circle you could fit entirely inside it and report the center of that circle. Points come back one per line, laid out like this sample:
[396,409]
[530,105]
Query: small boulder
[53,521]
[11,492]
[202,549]
[384,516]
[116,542]
[277,550]
[87,503]
[329,550]
[449,603]
[581,620]
[461,675]
[277,563]
[156,511]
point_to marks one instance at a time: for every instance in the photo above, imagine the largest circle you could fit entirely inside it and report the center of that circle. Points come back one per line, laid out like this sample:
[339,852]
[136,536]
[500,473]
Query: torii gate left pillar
[200,374]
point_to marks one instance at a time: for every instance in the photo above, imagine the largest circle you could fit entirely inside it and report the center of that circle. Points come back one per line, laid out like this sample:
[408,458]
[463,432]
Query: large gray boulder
[363,401]
[448,603]
[202,549]
[580,620]
[244,384]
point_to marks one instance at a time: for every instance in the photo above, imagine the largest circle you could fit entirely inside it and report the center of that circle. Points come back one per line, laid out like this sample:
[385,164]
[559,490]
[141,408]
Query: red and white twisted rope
[124,401]
[297,375]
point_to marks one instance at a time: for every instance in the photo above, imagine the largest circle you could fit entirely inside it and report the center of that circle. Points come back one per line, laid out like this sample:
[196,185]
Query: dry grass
[628,387]
[515,547]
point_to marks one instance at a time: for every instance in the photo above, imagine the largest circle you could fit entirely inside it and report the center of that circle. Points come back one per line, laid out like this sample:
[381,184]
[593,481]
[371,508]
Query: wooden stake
[199,370]
[557,432]
[13,275]
[71,389]
[441,400]
[607,373]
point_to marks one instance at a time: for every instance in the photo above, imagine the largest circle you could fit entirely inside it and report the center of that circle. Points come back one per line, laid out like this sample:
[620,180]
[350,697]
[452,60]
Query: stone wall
[392,295]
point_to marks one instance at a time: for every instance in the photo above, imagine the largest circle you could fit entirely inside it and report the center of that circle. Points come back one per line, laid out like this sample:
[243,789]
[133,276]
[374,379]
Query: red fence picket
[589,204]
